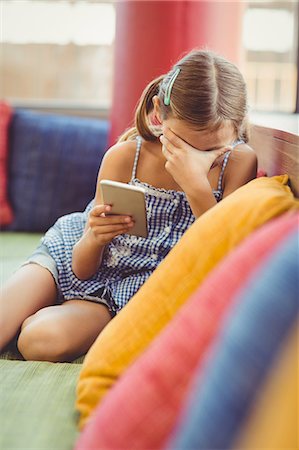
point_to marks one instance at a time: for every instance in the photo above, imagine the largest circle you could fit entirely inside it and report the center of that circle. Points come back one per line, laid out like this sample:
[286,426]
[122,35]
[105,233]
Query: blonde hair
[208,92]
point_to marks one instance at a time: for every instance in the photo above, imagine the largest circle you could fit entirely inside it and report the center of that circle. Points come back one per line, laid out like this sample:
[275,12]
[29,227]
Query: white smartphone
[126,199]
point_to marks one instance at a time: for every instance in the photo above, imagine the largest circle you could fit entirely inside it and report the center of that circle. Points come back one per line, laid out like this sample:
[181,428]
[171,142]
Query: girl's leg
[62,332]
[30,288]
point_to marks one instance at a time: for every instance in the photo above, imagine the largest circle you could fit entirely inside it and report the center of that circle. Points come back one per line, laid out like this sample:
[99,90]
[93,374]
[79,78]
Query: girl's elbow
[79,273]
[83,271]
[79,269]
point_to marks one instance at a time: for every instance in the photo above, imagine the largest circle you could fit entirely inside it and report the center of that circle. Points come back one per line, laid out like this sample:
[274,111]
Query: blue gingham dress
[128,261]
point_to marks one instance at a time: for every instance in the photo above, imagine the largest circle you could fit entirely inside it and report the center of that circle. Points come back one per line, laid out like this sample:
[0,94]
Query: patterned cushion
[209,239]
[273,420]
[6,214]
[163,372]
[53,167]
[244,354]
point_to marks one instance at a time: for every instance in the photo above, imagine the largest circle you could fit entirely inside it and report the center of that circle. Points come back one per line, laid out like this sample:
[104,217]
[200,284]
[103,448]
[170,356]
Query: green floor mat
[14,249]
[37,405]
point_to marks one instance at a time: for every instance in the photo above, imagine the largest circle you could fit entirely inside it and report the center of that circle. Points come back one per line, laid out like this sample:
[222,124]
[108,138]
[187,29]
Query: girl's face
[202,140]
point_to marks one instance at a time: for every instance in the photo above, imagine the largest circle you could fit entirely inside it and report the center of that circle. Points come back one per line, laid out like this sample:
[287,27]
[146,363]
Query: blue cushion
[222,395]
[53,165]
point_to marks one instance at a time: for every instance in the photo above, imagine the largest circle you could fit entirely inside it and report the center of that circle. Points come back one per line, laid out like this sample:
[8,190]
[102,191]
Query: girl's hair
[208,92]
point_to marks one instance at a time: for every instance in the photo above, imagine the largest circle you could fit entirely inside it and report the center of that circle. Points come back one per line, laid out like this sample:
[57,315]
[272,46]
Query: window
[60,52]
[270,37]
[57,51]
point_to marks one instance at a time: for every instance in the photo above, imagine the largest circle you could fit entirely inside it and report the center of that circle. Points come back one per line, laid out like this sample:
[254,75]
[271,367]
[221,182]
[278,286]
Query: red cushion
[6,215]
[141,410]
[261,173]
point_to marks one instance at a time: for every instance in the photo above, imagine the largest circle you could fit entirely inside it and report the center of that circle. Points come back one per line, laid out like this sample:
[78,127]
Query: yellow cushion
[273,422]
[207,241]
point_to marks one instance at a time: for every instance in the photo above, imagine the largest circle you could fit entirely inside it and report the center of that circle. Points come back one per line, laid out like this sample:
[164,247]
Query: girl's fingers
[173,138]
[99,210]
[166,146]
[107,229]
[165,152]
[170,148]
[173,142]
[113,220]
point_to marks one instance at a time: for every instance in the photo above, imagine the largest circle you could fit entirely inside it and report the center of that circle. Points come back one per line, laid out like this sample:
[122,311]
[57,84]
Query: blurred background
[59,55]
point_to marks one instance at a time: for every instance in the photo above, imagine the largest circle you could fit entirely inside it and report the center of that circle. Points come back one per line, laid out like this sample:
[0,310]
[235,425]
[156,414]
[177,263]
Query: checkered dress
[128,261]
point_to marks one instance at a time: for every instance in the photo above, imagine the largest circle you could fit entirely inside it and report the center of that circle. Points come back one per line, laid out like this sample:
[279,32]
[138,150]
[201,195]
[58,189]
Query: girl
[188,149]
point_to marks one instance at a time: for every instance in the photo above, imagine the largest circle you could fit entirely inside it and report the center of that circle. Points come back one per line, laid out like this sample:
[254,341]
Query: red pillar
[217,25]
[152,35]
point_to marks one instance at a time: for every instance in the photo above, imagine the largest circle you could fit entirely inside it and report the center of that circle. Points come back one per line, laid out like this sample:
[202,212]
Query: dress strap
[237,142]
[224,163]
[138,147]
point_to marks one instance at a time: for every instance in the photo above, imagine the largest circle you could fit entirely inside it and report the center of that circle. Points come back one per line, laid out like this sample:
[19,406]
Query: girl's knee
[42,342]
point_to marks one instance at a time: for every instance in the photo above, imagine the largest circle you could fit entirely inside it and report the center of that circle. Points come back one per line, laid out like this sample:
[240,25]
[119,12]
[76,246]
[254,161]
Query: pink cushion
[261,173]
[141,409]
[6,215]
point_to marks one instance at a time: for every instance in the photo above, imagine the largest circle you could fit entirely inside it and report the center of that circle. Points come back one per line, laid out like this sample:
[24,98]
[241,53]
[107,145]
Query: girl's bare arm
[99,230]
[241,168]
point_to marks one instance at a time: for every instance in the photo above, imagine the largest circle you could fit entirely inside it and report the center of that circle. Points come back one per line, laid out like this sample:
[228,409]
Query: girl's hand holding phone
[105,227]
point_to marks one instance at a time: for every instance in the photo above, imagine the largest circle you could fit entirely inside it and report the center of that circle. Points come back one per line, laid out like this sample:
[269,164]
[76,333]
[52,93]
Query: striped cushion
[273,419]
[209,239]
[162,374]
[223,393]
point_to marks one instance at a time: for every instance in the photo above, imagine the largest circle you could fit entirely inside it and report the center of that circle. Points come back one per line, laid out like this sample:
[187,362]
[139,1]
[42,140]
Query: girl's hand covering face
[185,163]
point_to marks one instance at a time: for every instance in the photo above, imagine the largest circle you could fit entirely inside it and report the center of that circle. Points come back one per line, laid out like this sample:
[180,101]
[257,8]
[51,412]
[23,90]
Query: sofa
[38,398]
[51,168]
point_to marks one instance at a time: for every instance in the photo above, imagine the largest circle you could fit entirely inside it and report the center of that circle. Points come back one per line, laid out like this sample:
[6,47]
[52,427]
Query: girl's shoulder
[243,153]
[122,150]
[241,168]
[118,161]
